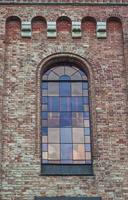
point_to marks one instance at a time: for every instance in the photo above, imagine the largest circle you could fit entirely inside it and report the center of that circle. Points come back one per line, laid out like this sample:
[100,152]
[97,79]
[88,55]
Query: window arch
[65,120]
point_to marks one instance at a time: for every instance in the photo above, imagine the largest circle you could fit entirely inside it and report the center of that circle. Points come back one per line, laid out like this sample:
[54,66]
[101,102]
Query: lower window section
[62,170]
[67,198]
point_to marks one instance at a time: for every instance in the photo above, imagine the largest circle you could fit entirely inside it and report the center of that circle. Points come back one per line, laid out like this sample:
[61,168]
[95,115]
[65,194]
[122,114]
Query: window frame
[67,198]
[68,169]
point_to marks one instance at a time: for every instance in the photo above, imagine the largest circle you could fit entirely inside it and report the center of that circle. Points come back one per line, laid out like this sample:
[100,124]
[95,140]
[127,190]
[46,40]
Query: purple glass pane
[44,147]
[66,135]
[77,104]
[53,119]
[65,104]
[53,104]
[86,115]
[66,151]
[85,100]
[65,119]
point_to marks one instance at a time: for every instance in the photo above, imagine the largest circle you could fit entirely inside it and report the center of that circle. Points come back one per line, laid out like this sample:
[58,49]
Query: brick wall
[21,60]
[64,1]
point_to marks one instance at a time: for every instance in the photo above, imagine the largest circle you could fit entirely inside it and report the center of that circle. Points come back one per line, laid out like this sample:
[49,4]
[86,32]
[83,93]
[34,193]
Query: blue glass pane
[53,104]
[85,85]
[44,85]
[44,100]
[66,151]
[87,147]
[65,104]
[87,131]
[65,88]
[77,104]
[85,100]
[44,115]
[44,131]
[66,135]
[65,119]
[86,115]
[65,77]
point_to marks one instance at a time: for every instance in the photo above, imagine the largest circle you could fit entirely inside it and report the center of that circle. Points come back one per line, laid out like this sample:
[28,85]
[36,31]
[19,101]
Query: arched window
[65,121]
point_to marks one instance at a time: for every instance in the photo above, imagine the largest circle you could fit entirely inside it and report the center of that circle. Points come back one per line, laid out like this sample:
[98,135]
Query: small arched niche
[39,24]
[89,25]
[64,24]
[114,25]
[13,27]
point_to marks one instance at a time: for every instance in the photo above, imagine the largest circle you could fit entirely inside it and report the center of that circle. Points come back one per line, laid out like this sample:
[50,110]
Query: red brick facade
[22,59]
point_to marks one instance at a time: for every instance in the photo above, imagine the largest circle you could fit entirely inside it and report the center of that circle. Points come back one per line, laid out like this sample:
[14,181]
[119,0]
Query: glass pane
[65,88]
[86,123]
[85,100]
[53,89]
[45,155]
[44,123]
[77,104]
[77,119]
[85,85]
[54,151]
[76,89]
[59,71]
[65,104]
[76,76]
[86,108]
[66,161]
[85,92]
[53,76]
[78,152]
[87,131]
[88,155]
[86,115]
[53,104]
[44,92]
[65,119]
[44,107]
[44,85]
[53,119]
[87,147]
[44,131]
[87,139]
[69,70]
[66,135]
[78,135]
[44,139]
[44,147]
[66,151]
[44,100]
[53,135]
[44,115]
[65,77]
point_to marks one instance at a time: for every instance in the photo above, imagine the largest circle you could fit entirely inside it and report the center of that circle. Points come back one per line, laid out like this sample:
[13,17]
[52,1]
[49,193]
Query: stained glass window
[65,117]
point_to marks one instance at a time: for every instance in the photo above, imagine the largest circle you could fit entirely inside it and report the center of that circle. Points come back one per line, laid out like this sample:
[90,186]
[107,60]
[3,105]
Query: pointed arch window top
[65,73]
